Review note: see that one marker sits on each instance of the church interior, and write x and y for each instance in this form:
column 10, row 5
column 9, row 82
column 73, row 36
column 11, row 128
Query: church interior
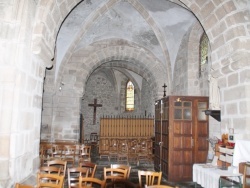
column 158, row 85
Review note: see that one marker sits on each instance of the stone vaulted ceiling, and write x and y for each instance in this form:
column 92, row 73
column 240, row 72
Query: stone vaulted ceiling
column 155, row 26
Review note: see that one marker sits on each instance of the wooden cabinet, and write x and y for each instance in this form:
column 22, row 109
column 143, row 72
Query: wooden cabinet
column 181, row 132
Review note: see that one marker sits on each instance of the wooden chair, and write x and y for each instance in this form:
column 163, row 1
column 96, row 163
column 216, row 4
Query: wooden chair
column 159, row 186
column 69, row 154
column 56, row 151
column 60, row 164
column 122, row 156
column 85, row 153
column 74, row 174
column 112, row 174
column 113, row 148
column 90, row 166
column 133, row 150
column 121, row 166
column 49, row 180
column 45, row 153
column 246, row 176
column 149, row 178
column 18, row 185
column 144, row 151
column 50, row 170
column 104, row 148
column 91, row 182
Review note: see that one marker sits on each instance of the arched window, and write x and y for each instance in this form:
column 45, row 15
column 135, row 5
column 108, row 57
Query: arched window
column 130, row 96
column 203, row 51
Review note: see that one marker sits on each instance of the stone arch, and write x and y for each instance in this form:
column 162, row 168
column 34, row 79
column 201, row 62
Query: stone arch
column 223, row 30
column 143, row 13
column 213, row 16
column 145, row 63
column 50, row 14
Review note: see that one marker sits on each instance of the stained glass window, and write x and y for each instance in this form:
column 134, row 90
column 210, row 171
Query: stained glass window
column 130, row 96
column 203, row 51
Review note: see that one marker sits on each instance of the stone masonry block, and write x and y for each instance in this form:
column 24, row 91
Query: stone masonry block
column 4, row 172
column 232, row 109
column 210, row 21
column 240, row 124
column 236, row 93
column 235, row 32
column 5, row 119
column 8, row 74
column 207, row 9
column 27, row 121
column 195, row 8
column 229, row 7
column 233, row 79
column 218, row 42
column 5, row 145
column 245, row 76
column 219, row 28
column 220, row 13
column 239, row 63
column 244, row 107
column 201, row 3
column 240, row 43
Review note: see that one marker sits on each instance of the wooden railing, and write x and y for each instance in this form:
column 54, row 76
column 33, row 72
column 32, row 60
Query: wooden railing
column 136, row 132
column 130, row 127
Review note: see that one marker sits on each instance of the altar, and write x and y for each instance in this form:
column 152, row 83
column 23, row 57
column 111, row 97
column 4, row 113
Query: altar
column 208, row 175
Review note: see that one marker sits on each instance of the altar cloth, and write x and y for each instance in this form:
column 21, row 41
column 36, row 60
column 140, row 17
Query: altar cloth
column 241, row 152
column 208, row 175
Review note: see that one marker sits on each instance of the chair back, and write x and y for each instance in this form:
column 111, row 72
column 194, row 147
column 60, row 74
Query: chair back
column 56, row 151
column 91, row 182
column 60, row 164
column 85, row 152
column 18, row 185
column 49, row 180
column 112, row 174
column 90, row 166
column 69, row 154
column 149, row 178
column 74, row 174
column 50, row 170
column 122, row 166
column 246, row 176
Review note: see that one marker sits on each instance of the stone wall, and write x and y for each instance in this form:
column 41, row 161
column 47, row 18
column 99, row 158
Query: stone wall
column 112, row 99
column 21, row 83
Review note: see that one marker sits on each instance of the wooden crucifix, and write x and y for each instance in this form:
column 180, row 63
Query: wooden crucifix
column 164, row 86
column 95, row 105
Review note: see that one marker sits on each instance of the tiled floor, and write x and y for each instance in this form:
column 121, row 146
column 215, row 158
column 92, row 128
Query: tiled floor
column 104, row 162
column 145, row 165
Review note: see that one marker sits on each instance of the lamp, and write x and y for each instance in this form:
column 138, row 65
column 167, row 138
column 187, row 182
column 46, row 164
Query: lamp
column 61, row 84
column 178, row 99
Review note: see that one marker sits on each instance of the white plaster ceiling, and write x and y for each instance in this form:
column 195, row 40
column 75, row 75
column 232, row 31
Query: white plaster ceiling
column 170, row 23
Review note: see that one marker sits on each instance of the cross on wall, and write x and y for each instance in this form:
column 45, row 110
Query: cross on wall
column 95, row 105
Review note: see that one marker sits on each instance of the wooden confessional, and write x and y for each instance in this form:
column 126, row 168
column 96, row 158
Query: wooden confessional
column 181, row 132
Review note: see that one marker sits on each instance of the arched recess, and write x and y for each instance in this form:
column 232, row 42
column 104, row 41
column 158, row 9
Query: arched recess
column 141, row 61
column 195, row 84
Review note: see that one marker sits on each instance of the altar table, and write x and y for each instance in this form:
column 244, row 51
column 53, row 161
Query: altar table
column 208, row 176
